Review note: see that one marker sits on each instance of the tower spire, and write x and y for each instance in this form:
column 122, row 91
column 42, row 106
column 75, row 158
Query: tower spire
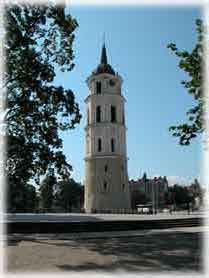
column 103, row 66
column 104, row 55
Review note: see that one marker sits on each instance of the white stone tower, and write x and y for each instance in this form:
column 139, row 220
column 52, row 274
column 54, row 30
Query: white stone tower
column 106, row 180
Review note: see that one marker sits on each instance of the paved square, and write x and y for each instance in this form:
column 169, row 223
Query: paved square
column 177, row 249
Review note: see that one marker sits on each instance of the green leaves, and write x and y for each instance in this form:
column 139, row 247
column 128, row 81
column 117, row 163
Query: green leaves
column 39, row 39
column 68, row 194
column 47, row 191
column 172, row 46
column 191, row 63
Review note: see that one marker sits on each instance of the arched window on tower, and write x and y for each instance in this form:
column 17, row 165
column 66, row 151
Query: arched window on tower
column 113, row 114
column 98, row 87
column 99, row 148
column 98, row 114
column 112, row 145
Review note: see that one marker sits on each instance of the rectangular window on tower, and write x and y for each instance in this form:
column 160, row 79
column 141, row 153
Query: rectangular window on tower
column 98, row 114
column 113, row 114
column 99, row 145
column 123, row 119
column 98, row 87
column 112, row 145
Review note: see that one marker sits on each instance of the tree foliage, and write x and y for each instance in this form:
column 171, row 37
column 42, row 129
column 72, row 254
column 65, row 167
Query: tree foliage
column 22, row 198
column 191, row 63
column 38, row 43
column 137, row 198
column 47, row 191
column 69, row 194
column 180, row 194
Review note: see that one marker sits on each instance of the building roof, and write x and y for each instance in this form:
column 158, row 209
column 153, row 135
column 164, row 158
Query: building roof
column 103, row 67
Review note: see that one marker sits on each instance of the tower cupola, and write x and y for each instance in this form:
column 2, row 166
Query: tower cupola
column 103, row 67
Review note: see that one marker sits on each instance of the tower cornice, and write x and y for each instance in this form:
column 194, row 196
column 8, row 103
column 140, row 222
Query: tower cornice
column 116, row 156
column 103, row 124
column 93, row 77
column 103, row 95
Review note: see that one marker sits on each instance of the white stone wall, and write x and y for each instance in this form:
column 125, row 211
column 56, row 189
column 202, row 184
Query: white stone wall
column 115, row 194
column 105, row 101
column 104, row 79
column 105, row 133
column 105, row 130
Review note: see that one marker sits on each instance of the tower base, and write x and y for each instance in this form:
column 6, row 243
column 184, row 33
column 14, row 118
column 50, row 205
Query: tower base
column 106, row 185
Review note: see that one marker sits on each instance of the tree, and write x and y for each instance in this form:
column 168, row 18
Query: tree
column 38, row 43
column 47, row 191
column 137, row 198
column 69, row 194
column 31, row 198
column 168, row 198
column 192, row 64
column 180, row 195
column 22, row 198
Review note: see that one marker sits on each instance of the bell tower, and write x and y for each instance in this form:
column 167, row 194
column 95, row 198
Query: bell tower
column 106, row 177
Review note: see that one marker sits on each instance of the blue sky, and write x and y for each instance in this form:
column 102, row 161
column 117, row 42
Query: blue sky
column 136, row 39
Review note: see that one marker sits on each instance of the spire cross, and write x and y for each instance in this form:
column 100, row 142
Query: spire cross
column 104, row 38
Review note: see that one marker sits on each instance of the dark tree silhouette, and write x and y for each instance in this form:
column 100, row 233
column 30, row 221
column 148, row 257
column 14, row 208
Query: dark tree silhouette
column 38, row 42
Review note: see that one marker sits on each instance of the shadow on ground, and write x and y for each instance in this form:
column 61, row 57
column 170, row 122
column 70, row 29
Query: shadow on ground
column 173, row 251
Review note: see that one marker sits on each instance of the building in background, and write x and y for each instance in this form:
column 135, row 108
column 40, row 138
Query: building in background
column 149, row 191
column 106, row 177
